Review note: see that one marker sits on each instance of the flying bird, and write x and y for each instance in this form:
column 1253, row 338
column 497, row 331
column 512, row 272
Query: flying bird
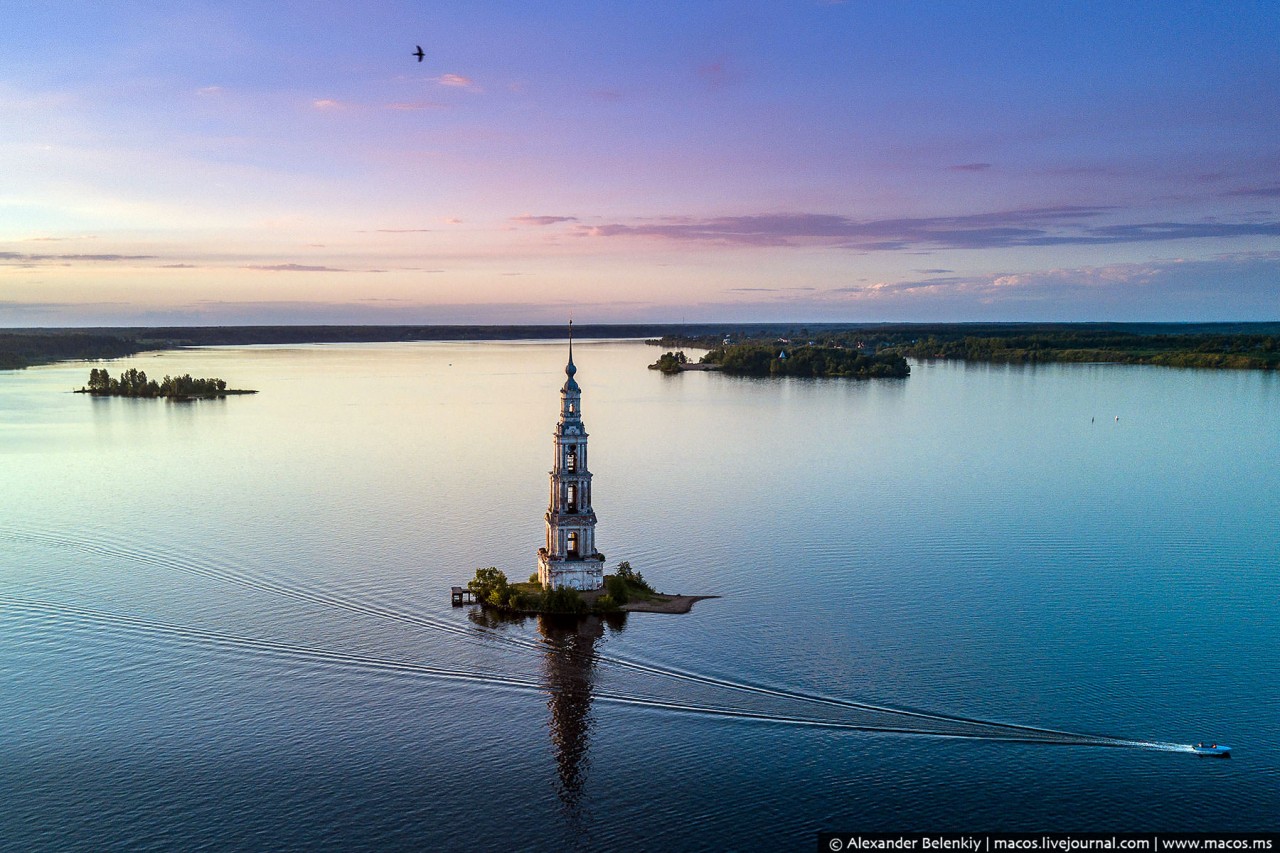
column 419, row 53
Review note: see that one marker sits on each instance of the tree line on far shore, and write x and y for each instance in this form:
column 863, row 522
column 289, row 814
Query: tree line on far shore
column 134, row 383
column 1220, row 351
column 1240, row 346
column 772, row 359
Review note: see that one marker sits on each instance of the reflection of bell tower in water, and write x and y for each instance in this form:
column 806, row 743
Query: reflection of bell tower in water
column 570, row 664
column 569, row 558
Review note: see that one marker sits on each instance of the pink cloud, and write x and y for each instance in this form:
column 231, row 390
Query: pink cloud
column 1223, row 287
column 1065, row 225
column 457, row 81
column 23, row 259
column 526, row 219
column 292, row 268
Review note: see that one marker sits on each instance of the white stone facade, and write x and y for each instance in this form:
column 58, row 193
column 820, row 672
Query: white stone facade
column 569, row 557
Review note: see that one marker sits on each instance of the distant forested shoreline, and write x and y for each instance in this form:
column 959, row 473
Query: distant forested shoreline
column 1213, row 345
column 25, row 348
column 811, row 360
column 21, row 348
column 1233, row 346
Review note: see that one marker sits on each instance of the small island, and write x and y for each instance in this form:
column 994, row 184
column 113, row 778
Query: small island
column 671, row 362
column 624, row 591
column 1222, row 346
column 134, row 383
column 781, row 358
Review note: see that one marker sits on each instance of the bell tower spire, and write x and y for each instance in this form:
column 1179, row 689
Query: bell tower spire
column 569, row 558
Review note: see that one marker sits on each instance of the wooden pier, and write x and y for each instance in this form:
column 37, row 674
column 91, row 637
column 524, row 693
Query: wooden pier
column 461, row 595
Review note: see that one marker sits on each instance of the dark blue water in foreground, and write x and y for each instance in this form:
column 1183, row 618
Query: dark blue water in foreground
column 226, row 625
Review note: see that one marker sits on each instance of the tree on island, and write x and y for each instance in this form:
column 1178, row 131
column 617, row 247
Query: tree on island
column 490, row 585
column 492, row 589
column 670, row 362
column 626, row 584
column 134, row 383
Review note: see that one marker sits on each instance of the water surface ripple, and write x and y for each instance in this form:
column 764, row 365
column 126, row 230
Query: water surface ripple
column 227, row 624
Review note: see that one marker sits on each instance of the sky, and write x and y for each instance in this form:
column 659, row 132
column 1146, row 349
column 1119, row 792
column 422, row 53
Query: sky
column 167, row 163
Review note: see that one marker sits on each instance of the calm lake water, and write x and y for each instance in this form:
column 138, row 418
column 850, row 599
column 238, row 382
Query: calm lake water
column 226, row 624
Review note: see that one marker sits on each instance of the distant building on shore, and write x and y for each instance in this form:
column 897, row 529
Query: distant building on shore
column 569, row 559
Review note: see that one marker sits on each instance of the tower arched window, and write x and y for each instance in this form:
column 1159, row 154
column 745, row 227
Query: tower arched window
column 571, row 460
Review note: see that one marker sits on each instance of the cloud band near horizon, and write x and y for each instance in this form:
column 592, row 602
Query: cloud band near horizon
column 1049, row 226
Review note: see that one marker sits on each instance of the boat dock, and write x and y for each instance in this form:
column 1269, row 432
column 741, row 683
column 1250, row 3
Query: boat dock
column 461, row 595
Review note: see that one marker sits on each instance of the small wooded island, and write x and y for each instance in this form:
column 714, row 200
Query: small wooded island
column 134, row 383
column 1223, row 346
column 784, row 359
column 625, row 590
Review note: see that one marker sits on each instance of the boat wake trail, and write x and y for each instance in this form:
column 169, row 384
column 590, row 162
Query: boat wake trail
column 886, row 717
column 116, row 623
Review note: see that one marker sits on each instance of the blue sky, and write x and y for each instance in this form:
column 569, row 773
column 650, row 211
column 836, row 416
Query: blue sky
column 855, row 161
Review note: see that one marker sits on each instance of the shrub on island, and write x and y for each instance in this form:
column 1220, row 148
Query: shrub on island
column 563, row 600
column 490, row 585
column 617, row 589
column 632, row 578
column 492, row 589
column 670, row 362
column 626, row 585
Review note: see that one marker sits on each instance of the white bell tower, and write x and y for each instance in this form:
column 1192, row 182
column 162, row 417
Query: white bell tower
column 569, row 558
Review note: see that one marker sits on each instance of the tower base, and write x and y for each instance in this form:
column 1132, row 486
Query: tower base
column 584, row 575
